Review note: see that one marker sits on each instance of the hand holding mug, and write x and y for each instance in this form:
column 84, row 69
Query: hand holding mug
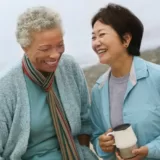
column 107, row 142
column 125, row 140
column 141, row 153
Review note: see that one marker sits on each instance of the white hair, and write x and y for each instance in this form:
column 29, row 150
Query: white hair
column 35, row 19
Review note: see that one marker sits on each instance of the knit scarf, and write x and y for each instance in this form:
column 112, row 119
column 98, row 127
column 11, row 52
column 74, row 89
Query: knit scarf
column 63, row 130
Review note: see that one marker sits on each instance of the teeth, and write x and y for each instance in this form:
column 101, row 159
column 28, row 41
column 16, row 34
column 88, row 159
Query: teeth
column 51, row 63
column 101, row 51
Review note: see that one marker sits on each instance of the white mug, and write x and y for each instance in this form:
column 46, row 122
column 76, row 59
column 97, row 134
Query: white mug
column 125, row 140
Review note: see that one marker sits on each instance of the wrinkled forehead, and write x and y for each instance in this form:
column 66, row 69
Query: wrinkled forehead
column 50, row 36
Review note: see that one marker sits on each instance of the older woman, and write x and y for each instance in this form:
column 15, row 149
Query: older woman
column 44, row 100
column 129, row 92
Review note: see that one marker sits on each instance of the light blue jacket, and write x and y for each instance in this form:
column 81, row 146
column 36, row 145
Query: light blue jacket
column 15, row 108
column 141, row 107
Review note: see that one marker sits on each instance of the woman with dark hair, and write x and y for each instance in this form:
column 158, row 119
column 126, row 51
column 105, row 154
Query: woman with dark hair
column 129, row 91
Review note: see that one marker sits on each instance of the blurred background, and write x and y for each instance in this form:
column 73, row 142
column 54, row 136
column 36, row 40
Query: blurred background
column 76, row 16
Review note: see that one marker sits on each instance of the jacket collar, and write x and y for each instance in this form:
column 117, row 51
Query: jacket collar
column 138, row 71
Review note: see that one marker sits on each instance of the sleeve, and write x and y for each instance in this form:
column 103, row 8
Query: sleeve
column 97, row 130
column 3, row 137
column 85, row 101
column 154, row 146
column 154, row 149
column 3, row 127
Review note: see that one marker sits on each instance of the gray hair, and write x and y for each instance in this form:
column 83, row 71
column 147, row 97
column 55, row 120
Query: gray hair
column 35, row 19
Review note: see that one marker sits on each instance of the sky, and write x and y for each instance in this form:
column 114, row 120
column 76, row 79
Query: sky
column 76, row 16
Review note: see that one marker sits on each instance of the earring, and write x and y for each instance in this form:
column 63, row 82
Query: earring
column 126, row 45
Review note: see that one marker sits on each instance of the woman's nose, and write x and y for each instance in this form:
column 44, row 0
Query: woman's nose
column 54, row 54
column 97, row 43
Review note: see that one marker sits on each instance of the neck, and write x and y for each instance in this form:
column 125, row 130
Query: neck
column 122, row 67
column 45, row 74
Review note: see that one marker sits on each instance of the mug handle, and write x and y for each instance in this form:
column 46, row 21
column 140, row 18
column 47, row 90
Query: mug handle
column 111, row 134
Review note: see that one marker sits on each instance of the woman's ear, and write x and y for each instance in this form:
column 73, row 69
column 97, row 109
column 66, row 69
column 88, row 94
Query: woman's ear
column 127, row 39
column 25, row 49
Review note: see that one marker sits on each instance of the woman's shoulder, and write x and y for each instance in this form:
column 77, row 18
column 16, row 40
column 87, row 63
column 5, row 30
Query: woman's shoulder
column 69, row 65
column 10, row 82
column 67, row 60
column 100, row 82
column 154, row 74
column 153, row 66
column 10, row 78
column 153, row 69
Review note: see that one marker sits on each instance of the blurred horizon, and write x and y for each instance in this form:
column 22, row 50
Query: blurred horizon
column 76, row 17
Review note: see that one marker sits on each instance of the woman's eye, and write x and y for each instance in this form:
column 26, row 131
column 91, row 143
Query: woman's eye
column 101, row 34
column 61, row 45
column 93, row 38
column 44, row 50
column 60, row 48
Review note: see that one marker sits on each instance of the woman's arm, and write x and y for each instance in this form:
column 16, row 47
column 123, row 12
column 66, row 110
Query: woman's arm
column 85, row 132
column 3, row 125
column 3, row 137
column 154, row 148
column 97, row 128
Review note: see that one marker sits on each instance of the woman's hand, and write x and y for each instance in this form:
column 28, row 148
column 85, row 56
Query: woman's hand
column 141, row 153
column 107, row 142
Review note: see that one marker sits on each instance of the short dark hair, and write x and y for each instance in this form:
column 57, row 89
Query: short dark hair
column 122, row 21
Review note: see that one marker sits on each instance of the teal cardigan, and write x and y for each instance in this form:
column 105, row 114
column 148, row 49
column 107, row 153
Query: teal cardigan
column 15, row 109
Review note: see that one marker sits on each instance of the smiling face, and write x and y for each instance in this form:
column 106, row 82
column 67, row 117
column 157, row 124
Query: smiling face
column 46, row 49
column 107, row 44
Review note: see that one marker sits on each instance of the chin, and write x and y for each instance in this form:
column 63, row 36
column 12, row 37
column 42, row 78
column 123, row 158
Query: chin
column 102, row 61
column 51, row 70
column 48, row 70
